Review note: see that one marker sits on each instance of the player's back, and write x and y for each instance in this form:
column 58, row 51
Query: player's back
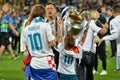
column 38, row 35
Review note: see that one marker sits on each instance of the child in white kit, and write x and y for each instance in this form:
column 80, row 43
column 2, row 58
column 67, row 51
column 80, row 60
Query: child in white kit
column 68, row 55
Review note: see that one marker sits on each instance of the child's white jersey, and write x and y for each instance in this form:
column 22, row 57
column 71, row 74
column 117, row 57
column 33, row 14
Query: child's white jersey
column 67, row 60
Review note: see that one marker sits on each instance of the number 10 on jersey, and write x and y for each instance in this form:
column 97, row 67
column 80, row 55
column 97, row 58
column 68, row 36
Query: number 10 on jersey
column 35, row 41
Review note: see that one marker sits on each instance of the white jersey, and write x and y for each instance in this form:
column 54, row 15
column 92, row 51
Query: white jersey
column 67, row 60
column 115, row 32
column 114, row 29
column 88, row 44
column 36, row 37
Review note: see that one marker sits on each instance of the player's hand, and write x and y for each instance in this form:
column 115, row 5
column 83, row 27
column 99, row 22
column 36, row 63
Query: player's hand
column 100, row 41
column 87, row 26
column 59, row 21
column 26, row 54
column 16, row 33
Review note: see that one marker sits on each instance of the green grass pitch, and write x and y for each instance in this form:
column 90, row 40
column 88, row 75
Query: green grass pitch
column 12, row 69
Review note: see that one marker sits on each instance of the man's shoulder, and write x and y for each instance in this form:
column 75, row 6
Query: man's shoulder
column 115, row 19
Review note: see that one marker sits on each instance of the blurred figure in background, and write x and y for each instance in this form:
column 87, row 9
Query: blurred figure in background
column 100, row 50
column 1, row 15
column 52, row 18
column 6, row 24
column 115, row 32
column 15, row 39
column 86, row 69
column 112, row 42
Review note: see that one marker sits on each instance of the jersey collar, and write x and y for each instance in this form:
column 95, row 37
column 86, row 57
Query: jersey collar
column 38, row 19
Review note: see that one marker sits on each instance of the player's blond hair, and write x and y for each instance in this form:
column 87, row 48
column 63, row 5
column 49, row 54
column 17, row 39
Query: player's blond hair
column 37, row 10
column 94, row 14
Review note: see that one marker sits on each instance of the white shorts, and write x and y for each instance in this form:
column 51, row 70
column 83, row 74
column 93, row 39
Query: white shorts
column 118, row 62
column 118, row 57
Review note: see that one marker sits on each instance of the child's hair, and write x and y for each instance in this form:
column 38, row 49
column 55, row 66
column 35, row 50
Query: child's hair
column 86, row 15
column 69, row 41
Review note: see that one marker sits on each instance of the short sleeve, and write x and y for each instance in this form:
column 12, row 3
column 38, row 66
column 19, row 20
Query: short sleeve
column 10, row 20
column 24, row 37
column 94, row 27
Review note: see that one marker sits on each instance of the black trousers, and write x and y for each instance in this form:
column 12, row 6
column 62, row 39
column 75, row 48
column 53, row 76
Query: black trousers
column 16, row 42
column 85, row 71
column 100, row 51
column 113, row 47
column 89, row 68
column 5, row 38
column 56, row 53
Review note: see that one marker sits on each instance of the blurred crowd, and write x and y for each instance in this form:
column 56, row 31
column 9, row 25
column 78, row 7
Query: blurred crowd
column 21, row 8
column 24, row 4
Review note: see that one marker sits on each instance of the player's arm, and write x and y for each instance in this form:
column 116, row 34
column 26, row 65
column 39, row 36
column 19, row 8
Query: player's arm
column 97, row 29
column 13, row 29
column 53, row 43
column 84, row 36
column 26, row 53
column 50, row 36
column 24, row 41
column 104, row 28
column 59, row 31
column 108, row 37
column 114, row 34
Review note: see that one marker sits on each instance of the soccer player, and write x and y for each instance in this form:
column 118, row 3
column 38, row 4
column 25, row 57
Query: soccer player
column 38, row 39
